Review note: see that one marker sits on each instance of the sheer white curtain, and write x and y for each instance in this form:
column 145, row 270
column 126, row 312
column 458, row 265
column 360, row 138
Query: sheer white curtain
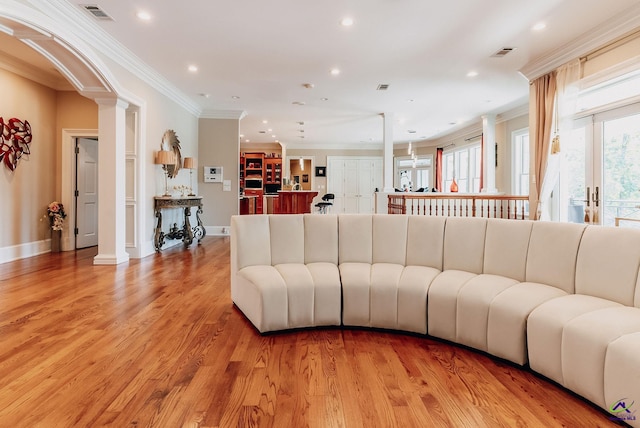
column 567, row 77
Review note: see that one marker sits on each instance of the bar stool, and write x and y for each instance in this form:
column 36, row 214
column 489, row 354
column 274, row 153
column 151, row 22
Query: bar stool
column 322, row 206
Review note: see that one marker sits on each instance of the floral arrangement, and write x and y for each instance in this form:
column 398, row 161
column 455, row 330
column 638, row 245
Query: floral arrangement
column 56, row 213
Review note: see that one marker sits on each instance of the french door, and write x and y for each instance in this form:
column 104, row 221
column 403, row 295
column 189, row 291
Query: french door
column 600, row 172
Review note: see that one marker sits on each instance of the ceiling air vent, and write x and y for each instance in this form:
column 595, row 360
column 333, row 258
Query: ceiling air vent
column 97, row 13
column 502, row 52
column 382, row 87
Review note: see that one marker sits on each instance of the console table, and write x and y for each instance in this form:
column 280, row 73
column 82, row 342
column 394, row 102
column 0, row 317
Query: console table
column 186, row 233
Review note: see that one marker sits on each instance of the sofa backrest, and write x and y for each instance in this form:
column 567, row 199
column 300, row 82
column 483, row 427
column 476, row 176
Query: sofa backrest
column 355, row 243
column 464, row 244
column 505, row 247
column 425, row 241
column 553, row 250
column 608, row 263
column 321, row 238
column 389, row 239
column 287, row 238
column 251, row 241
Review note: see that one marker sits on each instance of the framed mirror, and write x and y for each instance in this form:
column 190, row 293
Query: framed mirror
column 171, row 143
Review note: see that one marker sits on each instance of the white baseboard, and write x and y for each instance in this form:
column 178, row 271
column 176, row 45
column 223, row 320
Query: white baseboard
column 22, row 251
column 218, row 230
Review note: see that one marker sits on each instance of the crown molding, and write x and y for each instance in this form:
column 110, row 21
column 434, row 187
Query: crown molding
column 346, row 146
column 222, row 114
column 81, row 26
column 23, row 69
column 606, row 32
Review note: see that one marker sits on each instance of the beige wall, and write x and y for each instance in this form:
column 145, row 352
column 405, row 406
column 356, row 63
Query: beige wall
column 218, row 145
column 36, row 181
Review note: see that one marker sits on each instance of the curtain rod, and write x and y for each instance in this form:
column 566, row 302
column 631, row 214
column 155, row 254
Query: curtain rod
column 473, row 138
column 444, row 147
column 611, row 45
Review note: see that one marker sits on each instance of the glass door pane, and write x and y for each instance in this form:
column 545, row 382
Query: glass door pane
column 620, row 192
column 574, row 176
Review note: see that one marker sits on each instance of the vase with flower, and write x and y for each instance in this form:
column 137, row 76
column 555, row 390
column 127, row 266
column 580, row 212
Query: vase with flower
column 56, row 215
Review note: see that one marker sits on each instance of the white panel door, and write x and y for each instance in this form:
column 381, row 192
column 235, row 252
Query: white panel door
column 335, row 184
column 351, row 185
column 87, row 193
column 353, row 180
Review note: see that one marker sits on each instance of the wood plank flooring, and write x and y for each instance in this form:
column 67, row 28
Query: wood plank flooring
column 157, row 343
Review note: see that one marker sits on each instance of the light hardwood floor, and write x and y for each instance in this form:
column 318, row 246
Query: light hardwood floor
column 157, row 343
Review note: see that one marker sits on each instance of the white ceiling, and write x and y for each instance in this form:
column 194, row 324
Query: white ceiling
column 263, row 53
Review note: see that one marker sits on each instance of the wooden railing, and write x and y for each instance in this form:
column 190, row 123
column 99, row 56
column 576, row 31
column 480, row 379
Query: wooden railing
column 450, row 205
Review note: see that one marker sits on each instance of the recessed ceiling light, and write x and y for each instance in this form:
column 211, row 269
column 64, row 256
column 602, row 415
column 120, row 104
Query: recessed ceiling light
column 269, row 130
column 143, row 15
column 324, row 99
column 247, row 140
column 235, row 97
column 308, row 85
column 346, row 21
column 539, row 26
column 472, row 73
column 204, row 95
column 273, row 135
column 410, row 100
column 335, row 71
column 241, row 135
column 193, row 68
column 298, row 103
column 265, row 121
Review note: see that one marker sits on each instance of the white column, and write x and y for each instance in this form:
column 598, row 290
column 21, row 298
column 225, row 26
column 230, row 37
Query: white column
column 111, row 185
column 489, row 160
column 387, row 160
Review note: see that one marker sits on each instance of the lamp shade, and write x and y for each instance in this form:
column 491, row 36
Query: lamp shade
column 190, row 163
column 165, row 157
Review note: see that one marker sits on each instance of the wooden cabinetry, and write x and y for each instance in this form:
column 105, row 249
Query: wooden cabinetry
column 273, row 170
column 253, row 166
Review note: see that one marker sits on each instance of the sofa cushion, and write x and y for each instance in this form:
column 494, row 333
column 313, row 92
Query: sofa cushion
column 321, row 238
column 442, row 302
column 385, row 278
column 472, row 313
column 413, row 290
column 287, row 238
column 390, row 239
column 508, row 313
column 250, row 240
column 327, row 301
column 464, row 244
column 425, row 241
column 608, row 263
column 553, row 249
column 622, row 378
column 545, row 327
column 584, row 347
column 300, row 293
column 356, row 286
column 505, row 248
column 356, row 238
column 261, row 294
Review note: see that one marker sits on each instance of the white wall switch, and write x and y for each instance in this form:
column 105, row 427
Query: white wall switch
column 226, row 186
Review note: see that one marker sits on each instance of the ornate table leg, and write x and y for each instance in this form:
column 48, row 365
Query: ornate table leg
column 158, row 238
column 188, row 233
column 198, row 230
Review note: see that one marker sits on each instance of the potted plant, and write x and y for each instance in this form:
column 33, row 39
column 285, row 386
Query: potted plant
column 56, row 214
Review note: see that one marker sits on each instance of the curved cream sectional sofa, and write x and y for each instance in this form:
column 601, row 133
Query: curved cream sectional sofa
column 563, row 298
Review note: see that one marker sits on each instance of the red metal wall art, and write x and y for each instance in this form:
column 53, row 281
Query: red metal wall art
column 15, row 139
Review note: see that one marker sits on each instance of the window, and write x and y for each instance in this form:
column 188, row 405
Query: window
column 464, row 165
column 414, row 175
column 520, row 162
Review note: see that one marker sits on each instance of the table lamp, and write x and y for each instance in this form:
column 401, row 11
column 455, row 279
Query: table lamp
column 190, row 164
column 164, row 158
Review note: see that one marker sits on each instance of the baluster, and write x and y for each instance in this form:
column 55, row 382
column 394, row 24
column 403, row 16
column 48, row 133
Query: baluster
column 430, row 206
